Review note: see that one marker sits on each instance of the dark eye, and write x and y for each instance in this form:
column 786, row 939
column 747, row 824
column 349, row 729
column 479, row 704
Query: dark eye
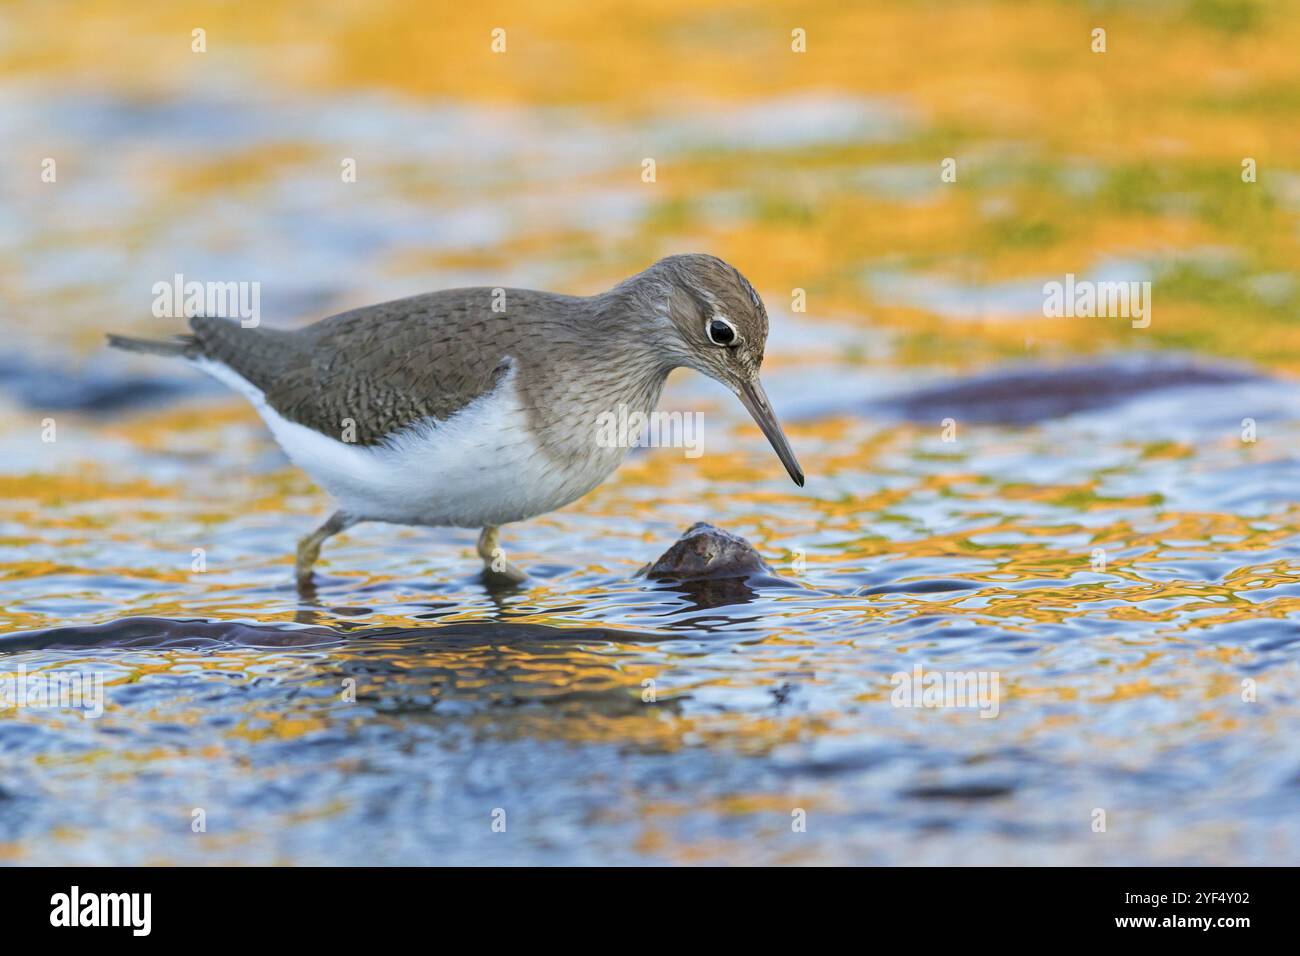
column 721, row 332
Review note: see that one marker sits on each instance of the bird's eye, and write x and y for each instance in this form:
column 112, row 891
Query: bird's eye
column 721, row 332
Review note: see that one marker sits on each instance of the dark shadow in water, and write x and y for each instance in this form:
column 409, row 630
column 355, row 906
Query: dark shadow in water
column 434, row 671
column 1029, row 394
column 136, row 632
column 93, row 389
column 934, row 586
column 707, row 594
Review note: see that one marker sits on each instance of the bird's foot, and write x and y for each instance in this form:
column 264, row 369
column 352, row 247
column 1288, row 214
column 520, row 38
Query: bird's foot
column 308, row 552
column 497, row 568
column 505, row 574
column 309, row 547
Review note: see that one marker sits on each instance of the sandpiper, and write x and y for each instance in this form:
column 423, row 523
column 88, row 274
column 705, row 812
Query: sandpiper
column 478, row 407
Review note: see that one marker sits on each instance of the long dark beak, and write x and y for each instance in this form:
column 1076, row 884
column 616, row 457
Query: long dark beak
column 755, row 399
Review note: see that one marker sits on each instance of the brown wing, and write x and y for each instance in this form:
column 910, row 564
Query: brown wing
column 382, row 367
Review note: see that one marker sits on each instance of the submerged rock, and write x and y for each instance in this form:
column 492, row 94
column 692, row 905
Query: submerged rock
column 705, row 552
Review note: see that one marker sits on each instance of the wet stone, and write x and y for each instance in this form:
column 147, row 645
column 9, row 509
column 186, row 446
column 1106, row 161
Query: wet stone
column 705, row 552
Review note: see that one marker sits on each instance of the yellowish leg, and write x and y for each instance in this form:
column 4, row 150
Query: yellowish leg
column 495, row 564
column 309, row 547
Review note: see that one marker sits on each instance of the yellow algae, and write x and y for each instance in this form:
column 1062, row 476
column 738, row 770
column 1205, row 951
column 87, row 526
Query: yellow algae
column 54, row 489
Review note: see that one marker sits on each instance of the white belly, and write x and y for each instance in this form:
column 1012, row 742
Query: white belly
column 479, row 467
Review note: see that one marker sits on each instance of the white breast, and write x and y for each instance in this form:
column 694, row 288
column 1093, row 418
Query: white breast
column 481, row 466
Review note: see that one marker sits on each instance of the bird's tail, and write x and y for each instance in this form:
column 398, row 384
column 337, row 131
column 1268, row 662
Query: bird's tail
column 183, row 346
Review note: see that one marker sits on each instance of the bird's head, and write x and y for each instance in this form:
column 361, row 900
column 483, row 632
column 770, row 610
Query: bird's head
column 719, row 327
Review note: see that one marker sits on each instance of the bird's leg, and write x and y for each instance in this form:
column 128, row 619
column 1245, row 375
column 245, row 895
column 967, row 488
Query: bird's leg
column 309, row 547
column 495, row 564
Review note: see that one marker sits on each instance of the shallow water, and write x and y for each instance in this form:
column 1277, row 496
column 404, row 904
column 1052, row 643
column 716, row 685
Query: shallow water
column 1103, row 542
column 1120, row 688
